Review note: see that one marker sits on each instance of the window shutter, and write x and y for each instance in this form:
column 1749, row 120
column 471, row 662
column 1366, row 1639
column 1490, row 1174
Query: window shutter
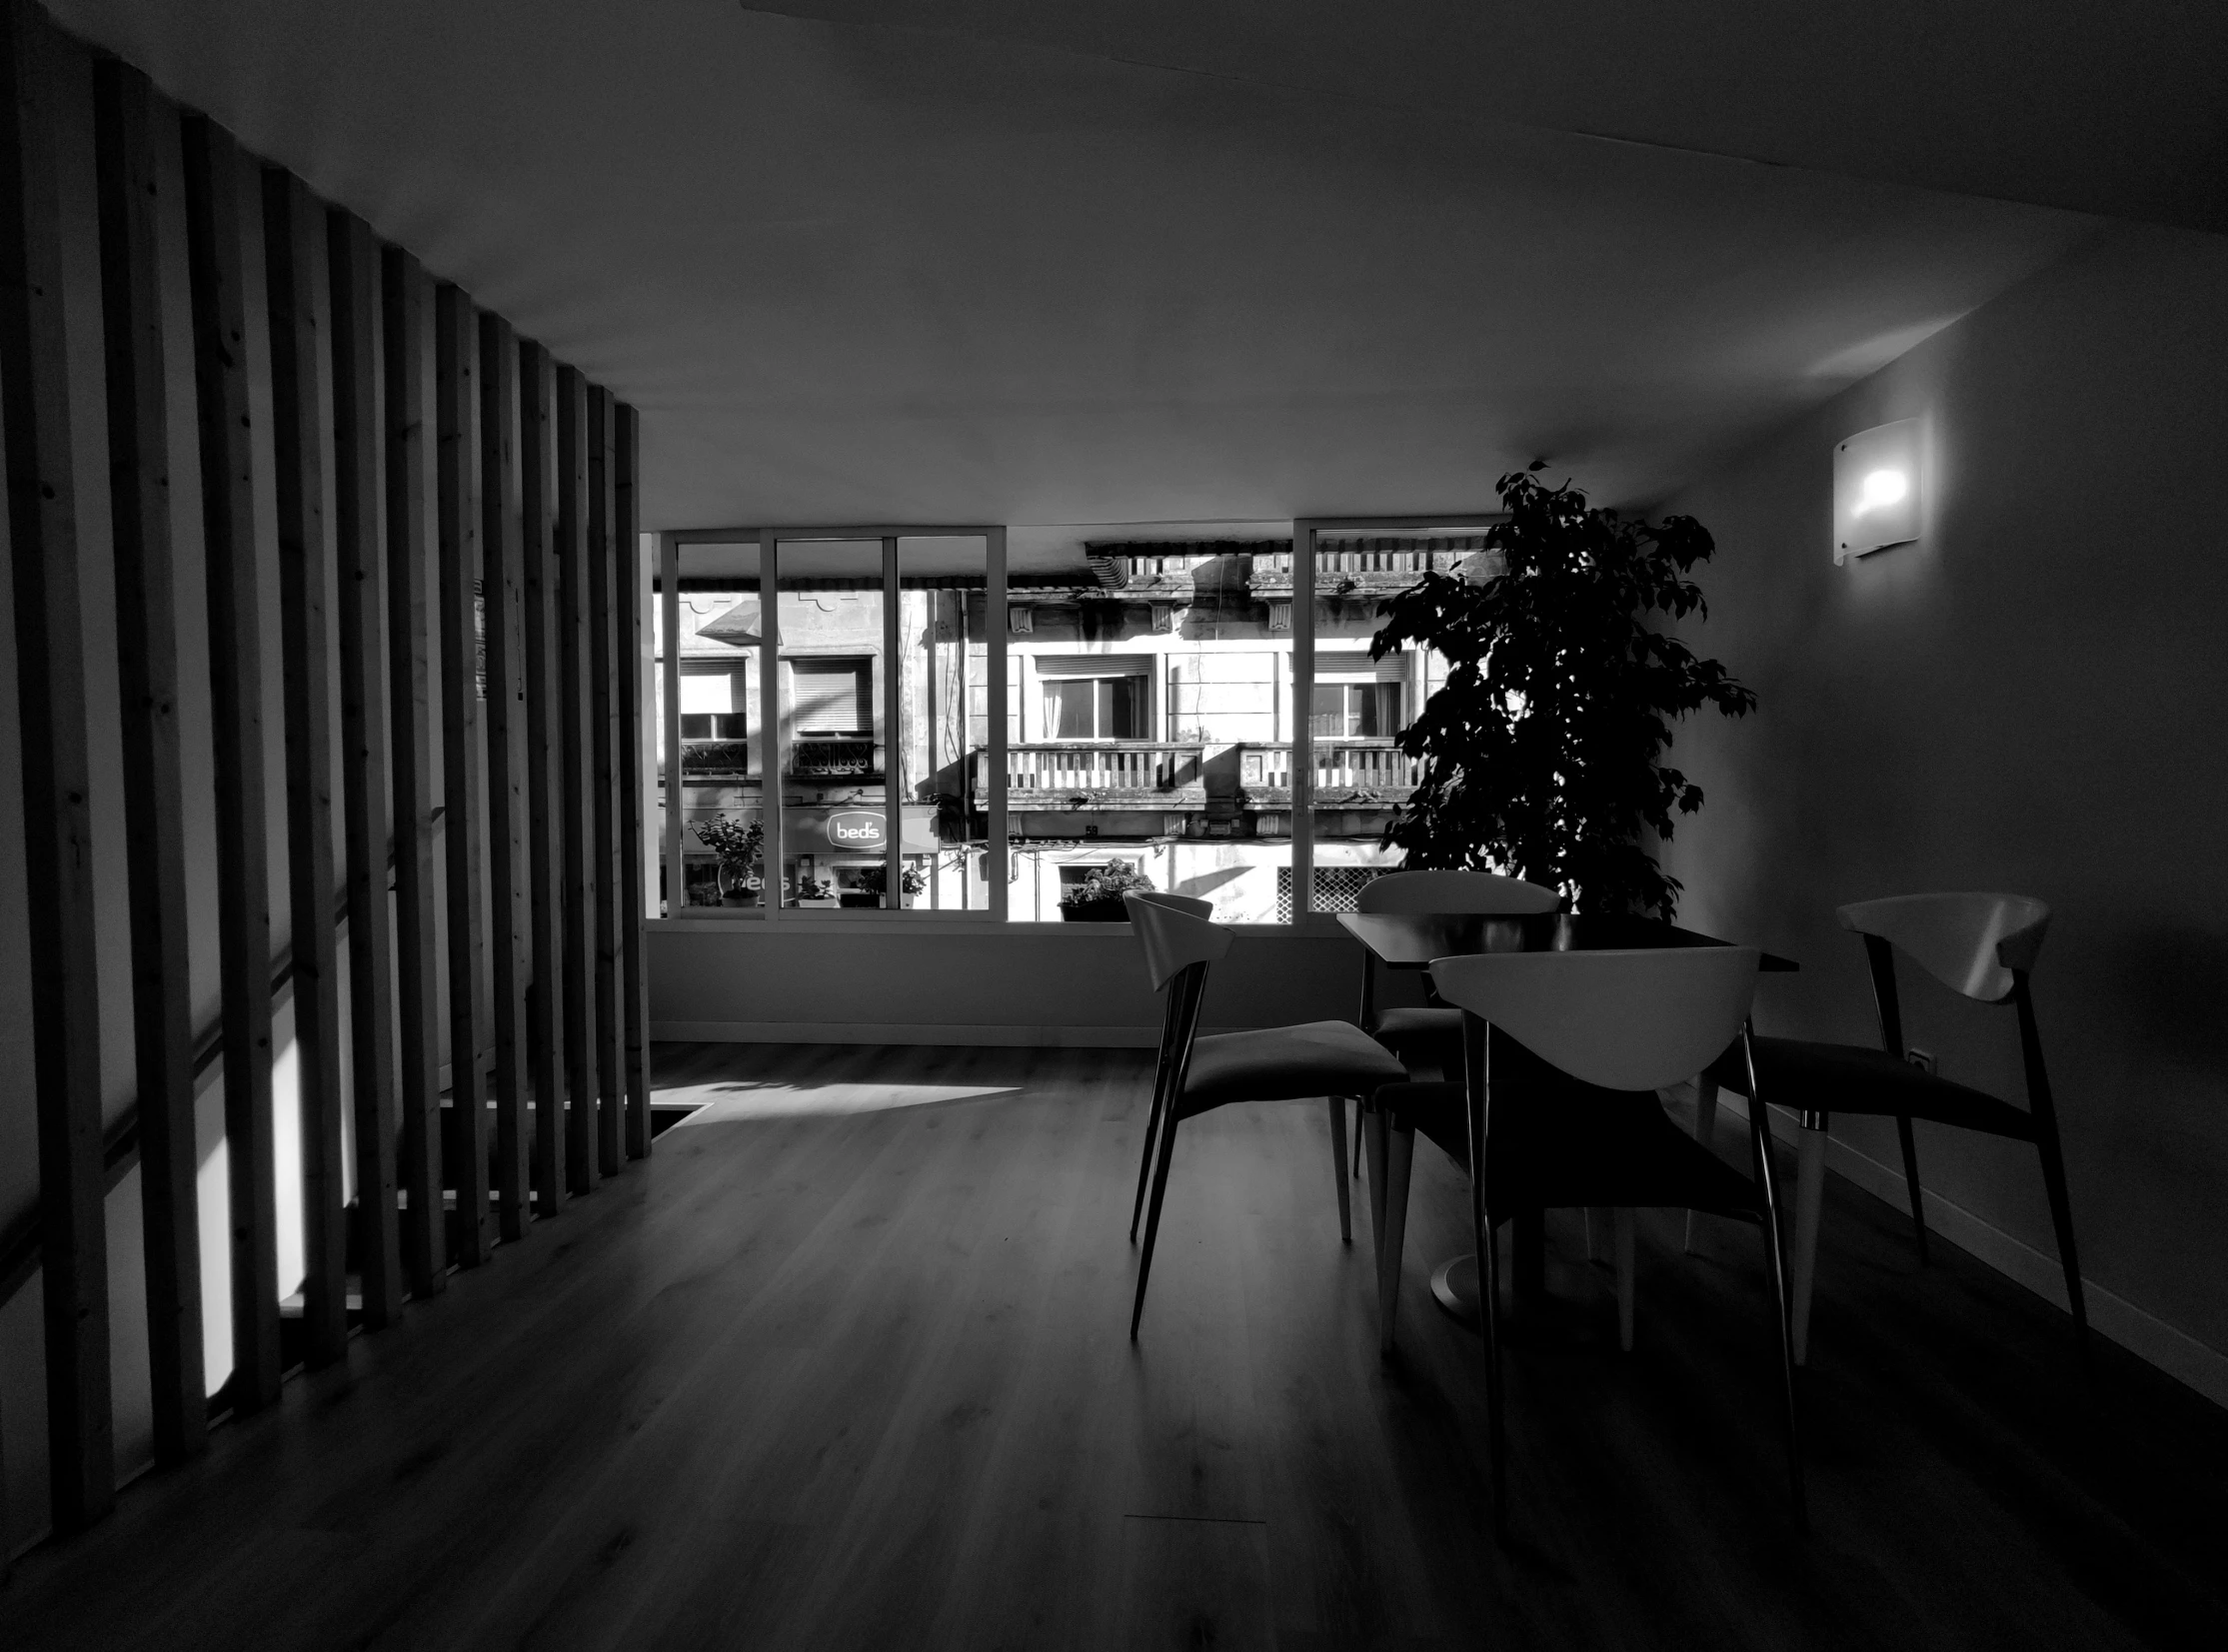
column 1352, row 667
column 833, row 696
column 1069, row 665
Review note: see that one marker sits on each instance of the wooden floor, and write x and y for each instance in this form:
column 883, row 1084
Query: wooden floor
column 833, row 1372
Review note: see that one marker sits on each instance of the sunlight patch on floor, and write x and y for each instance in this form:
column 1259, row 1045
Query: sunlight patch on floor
column 742, row 1102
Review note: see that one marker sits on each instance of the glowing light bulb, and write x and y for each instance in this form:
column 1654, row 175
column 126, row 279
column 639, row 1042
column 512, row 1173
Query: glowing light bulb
column 1881, row 489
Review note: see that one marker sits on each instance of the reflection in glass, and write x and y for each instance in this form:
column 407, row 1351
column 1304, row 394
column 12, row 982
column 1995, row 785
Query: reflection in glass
column 720, row 797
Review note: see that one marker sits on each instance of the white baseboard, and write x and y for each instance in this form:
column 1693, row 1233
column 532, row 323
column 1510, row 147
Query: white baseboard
column 2140, row 1332
column 909, row 1033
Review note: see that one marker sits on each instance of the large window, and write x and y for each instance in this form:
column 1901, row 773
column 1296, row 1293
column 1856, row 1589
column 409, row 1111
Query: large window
column 952, row 723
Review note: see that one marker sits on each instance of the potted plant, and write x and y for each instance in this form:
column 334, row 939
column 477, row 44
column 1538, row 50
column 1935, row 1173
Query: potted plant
column 1097, row 898
column 817, row 891
column 737, row 845
column 875, row 880
column 1542, row 754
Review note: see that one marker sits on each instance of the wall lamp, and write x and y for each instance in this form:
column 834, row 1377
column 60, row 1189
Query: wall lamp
column 1875, row 489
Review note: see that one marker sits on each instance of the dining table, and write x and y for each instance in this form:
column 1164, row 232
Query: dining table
column 1410, row 940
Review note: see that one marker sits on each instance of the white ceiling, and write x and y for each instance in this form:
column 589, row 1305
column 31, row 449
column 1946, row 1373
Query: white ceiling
column 857, row 272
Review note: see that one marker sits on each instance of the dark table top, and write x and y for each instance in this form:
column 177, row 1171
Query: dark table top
column 1410, row 940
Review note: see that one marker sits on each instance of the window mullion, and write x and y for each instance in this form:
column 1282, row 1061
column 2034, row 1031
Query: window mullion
column 1303, row 700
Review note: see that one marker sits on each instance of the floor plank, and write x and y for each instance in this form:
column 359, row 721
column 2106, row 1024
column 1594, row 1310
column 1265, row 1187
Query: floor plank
column 849, row 1368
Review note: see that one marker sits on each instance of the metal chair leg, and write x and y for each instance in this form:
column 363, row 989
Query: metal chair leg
column 1399, row 1161
column 1705, row 1126
column 1910, row 1181
column 1354, row 1166
column 1153, row 1218
column 1489, row 1320
column 2061, row 1218
column 1622, row 1224
column 1338, row 1167
column 1767, row 1176
column 1810, row 1193
column 1145, row 1162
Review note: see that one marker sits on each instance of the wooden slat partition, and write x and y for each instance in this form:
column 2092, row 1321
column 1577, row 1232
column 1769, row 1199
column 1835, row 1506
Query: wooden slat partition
column 634, row 980
column 578, row 807
column 545, row 769
column 457, row 516
column 57, row 825
column 409, row 727
column 124, row 110
column 292, row 224
column 352, row 258
column 603, row 664
column 503, row 579
column 214, row 251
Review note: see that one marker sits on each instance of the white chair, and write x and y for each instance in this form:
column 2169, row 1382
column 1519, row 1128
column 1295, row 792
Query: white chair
column 1560, row 1100
column 1335, row 1060
column 1980, row 945
column 1432, row 1032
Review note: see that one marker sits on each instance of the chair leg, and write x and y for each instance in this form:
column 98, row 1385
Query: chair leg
column 1153, row 1217
column 1354, row 1167
column 1810, row 1193
column 1623, row 1220
column 1910, row 1181
column 1705, row 1128
column 2061, row 1218
column 1488, row 1319
column 1338, row 1167
column 1399, row 1164
column 1144, row 1161
column 1775, row 1274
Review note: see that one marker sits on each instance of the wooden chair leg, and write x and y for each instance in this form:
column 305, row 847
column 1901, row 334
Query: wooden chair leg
column 1399, row 1164
column 1338, row 1167
column 2061, row 1218
column 1623, row 1220
column 1144, row 1161
column 1910, row 1181
column 1705, row 1128
column 1810, row 1193
column 1153, row 1218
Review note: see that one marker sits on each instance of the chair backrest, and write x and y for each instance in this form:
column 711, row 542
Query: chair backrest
column 1626, row 1020
column 1455, row 891
column 1174, row 933
column 1970, row 942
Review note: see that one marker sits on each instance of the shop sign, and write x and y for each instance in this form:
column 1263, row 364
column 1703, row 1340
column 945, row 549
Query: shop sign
column 857, row 829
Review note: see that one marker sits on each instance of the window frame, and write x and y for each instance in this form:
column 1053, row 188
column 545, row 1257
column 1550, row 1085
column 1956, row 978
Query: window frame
column 996, row 846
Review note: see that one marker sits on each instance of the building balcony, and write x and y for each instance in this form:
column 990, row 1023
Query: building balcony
column 1122, row 774
column 732, row 761
column 1351, row 773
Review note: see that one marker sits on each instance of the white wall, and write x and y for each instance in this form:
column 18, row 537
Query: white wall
column 2031, row 698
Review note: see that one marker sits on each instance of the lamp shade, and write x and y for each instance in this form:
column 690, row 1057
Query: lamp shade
column 1875, row 489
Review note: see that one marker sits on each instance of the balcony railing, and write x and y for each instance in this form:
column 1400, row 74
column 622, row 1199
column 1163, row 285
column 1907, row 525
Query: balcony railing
column 1349, row 771
column 835, row 759
column 1074, row 775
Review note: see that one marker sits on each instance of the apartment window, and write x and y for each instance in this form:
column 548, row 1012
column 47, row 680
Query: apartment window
column 713, row 705
column 833, row 696
column 1354, row 710
column 1095, row 708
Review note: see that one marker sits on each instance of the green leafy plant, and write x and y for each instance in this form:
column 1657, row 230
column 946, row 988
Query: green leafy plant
column 1542, row 754
column 737, row 843
column 1110, row 882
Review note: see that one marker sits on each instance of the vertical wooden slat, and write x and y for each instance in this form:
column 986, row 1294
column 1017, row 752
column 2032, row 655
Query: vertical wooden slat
column 579, row 963
column 57, row 827
column 291, row 221
column 634, row 984
column 457, row 494
column 214, row 255
column 410, row 726
column 353, row 260
column 502, row 581
column 154, row 784
column 545, row 1002
column 602, row 570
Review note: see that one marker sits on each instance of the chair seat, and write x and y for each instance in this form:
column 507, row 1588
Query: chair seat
column 1565, row 1144
column 1849, row 1078
column 1420, row 1028
column 1277, row 1063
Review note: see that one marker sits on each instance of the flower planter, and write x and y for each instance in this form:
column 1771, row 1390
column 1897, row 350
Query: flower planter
column 828, row 902
column 1094, row 911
